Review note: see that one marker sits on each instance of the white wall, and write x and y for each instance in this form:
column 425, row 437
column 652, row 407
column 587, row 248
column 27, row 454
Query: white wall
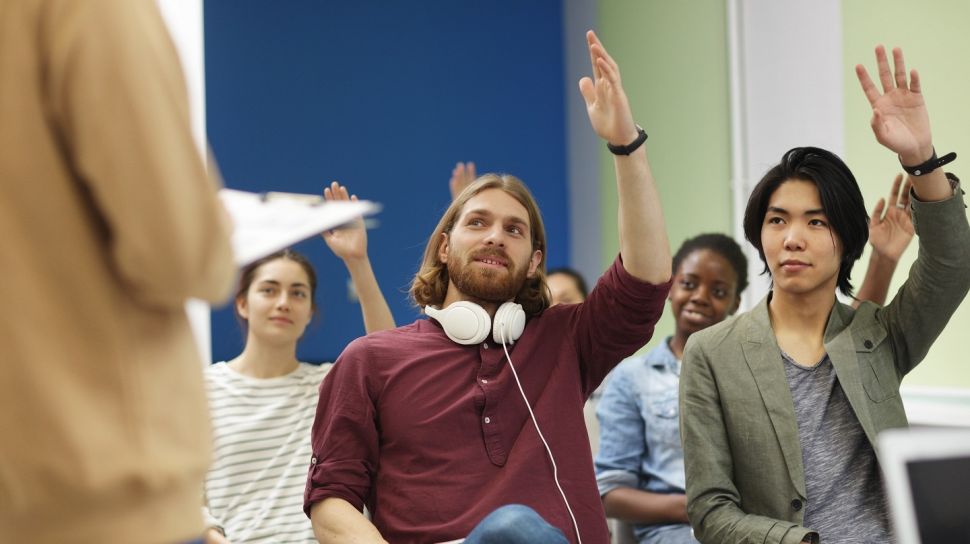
column 785, row 62
column 184, row 19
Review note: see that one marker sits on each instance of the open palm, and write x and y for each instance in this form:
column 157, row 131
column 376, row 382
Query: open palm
column 606, row 102
column 890, row 233
column 899, row 117
column 349, row 241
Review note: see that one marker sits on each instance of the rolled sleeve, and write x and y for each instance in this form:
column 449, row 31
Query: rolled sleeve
column 608, row 480
column 344, row 438
column 622, row 440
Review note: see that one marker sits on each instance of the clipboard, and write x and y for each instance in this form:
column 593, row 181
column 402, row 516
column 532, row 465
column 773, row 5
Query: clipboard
column 264, row 223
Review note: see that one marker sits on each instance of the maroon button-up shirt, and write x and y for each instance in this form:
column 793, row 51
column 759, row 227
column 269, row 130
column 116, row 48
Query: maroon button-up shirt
column 432, row 436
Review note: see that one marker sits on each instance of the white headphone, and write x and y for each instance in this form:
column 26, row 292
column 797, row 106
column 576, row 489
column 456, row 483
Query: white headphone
column 468, row 323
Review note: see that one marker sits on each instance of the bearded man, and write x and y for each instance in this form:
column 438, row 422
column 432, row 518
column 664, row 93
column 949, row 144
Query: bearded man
column 431, row 425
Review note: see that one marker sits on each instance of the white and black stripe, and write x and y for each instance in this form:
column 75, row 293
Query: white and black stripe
column 261, row 432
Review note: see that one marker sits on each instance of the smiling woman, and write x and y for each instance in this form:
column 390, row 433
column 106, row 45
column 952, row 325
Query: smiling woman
column 640, row 463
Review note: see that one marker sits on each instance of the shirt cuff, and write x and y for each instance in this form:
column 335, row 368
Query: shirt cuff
column 608, row 480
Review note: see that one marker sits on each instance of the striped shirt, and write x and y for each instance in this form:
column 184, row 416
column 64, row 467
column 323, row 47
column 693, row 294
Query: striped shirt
column 261, row 431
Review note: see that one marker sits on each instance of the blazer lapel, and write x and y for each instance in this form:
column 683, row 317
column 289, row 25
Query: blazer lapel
column 840, row 346
column 763, row 357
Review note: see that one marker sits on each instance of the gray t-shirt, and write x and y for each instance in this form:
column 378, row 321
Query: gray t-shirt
column 846, row 502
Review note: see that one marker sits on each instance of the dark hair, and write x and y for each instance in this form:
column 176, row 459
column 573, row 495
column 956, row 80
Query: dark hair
column 574, row 275
column 723, row 245
column 248, row 274
column 841, row 201
column 430, row 283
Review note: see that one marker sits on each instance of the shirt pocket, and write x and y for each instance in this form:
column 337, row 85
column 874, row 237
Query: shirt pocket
column 876, row 365
column 663, row 420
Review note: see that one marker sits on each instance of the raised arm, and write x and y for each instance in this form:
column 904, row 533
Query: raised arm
column 940, row 277
column 643, row 236
column 350, row 244
column 890, row 232
column 462, row 175
column 901, row 122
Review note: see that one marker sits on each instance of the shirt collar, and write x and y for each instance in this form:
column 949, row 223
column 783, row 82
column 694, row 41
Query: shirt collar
column 664, row 358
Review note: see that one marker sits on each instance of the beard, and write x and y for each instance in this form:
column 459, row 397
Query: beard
column 486, row 284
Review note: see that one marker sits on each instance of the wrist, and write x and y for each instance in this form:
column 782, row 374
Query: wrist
column 629, row 145
column 628, row 135
column 916, row 157
column 356, row 264
column 884, row 260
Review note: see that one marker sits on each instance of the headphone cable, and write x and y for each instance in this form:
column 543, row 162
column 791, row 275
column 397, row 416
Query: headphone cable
column 555, row 470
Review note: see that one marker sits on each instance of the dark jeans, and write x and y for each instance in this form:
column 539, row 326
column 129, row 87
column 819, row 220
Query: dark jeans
column 515, row 524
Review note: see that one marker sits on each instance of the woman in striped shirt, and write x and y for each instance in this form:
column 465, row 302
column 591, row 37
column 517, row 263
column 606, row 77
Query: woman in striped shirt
column 263, row 402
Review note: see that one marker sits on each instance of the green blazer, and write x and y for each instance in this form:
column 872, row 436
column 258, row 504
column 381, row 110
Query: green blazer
column 743, row 459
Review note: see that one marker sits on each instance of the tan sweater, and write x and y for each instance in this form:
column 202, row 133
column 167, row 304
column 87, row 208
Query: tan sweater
column 108, row 223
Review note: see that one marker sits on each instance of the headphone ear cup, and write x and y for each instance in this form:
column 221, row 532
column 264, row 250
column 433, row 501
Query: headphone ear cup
column 464, row 322
column 509, row 323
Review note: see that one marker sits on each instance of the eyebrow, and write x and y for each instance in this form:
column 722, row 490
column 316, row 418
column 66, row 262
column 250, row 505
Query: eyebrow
column 814, row 211
column 692, row 275
column 274, row 282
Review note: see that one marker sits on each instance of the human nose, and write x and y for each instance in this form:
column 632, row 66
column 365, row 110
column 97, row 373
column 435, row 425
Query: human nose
column 283, row 302
column 794, row 238
column 495, row 236
column 700, row 295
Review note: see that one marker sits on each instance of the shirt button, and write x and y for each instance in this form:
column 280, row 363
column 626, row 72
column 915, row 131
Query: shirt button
column 867, row 344
column 313, row 460
column 488, row 420
column 485, row 346
column 796, row 505
column 484, row 380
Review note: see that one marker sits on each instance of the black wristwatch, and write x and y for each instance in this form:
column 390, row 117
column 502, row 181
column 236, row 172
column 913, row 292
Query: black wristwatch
column 632, row 146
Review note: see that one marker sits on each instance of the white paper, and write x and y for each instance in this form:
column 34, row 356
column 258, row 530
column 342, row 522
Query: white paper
column 262, row 226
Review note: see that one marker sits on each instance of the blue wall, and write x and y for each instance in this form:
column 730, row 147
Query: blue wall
column 384, row 97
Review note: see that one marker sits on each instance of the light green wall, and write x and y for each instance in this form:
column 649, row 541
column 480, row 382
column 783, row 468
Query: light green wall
column 673, row 57
column 673, row 61
column 933, row 38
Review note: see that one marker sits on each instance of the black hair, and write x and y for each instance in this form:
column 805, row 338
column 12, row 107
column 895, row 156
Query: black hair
column 841, row 201
column 574, row 274
column 723, row 245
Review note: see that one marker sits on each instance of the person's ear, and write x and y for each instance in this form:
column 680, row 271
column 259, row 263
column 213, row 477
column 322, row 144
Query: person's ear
column 534, row 263
column 443, row 248
column 242, row 307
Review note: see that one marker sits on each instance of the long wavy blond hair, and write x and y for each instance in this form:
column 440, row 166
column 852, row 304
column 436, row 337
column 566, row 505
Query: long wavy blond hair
column 430, row 284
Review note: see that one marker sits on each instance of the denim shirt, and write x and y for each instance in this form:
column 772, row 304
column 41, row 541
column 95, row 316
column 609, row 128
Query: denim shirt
column 639, row 426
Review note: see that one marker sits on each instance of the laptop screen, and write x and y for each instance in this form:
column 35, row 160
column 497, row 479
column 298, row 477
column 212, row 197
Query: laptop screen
column 940, row 498
column 927, row 477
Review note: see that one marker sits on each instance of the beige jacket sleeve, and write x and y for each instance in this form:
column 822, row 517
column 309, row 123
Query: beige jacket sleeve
column 117, row 97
